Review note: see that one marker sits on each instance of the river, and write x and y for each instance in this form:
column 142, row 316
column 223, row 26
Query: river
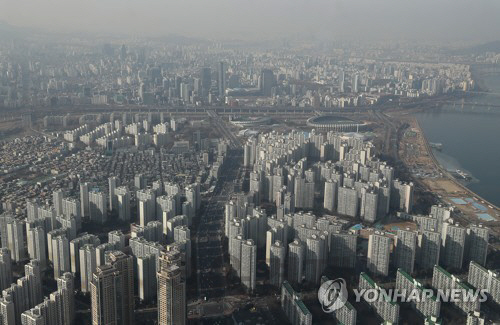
column 470, row 138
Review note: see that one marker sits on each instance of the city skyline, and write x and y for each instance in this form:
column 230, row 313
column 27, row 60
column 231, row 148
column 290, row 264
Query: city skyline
column 192, row 162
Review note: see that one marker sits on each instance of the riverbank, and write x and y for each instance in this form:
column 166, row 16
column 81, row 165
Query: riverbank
column 420, row 161
column 446, row 173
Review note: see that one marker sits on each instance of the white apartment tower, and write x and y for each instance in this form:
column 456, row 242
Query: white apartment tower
column 379, row 249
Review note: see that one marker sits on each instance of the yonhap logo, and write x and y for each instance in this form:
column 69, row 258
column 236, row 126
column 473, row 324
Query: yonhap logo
column 332, row 295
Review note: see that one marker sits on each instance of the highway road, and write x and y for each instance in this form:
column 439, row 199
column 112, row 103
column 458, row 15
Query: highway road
column 209, row 235
column 223, row 129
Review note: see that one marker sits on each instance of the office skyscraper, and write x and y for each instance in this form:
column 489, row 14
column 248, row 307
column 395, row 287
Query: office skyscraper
column 268, row 81
column 206, row 81
column 222, row 79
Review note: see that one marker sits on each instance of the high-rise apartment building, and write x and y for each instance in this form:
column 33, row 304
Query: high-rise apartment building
column 5, row 268
column 387, row 309
column 453, row 238
column 74, row 249
column 296, row 259
column 477, row 244
column 248, row 264
column 61, row 259
column 57, row 197
column 124, row 264
column 37, row 239
column 330, row 196
column 98, row 206
column 429, row 248
column 315, row 263
column 84, row 199
column 347, row 202
column 427, row 306
column 405, row 250
column 343, row 249
column 15, row 239
column 277, row 267
column 122, row 195
column 104, row 292
column 113, row 183
column 88, row 265
column 379, row 249
column 171, row 292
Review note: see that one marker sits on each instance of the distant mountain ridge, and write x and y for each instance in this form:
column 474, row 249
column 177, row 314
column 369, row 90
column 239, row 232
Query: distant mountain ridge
column 479, row 49
column 7, row 30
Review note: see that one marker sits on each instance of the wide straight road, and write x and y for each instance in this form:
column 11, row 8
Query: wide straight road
column 209, row 234
column 222, row 128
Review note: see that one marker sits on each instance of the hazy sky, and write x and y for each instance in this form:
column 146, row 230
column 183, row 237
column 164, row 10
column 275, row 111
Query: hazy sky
column 265, row 19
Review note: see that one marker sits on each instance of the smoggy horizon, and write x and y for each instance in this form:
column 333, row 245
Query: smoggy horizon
column 264, row 20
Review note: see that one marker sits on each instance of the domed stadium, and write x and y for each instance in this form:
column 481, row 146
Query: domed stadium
column 335, row 123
